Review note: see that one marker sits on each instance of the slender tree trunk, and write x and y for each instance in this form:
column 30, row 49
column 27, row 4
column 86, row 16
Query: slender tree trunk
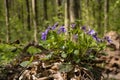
column 74, row 10
column 99, row 19
column 36, row 12
column 34, row 21
column 106, row 18
column 28, row 15
column 7, row 21
column 72, row 13
column 80, row 11
column 67, row 15
column 59, row 3
column 45, row 9
column 22, row 16
column 94, row 14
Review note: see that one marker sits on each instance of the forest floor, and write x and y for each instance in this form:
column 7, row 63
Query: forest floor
column 112, row 67
column 57, row 69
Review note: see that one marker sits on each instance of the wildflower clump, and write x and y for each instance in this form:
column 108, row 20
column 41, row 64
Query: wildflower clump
column 80, row 44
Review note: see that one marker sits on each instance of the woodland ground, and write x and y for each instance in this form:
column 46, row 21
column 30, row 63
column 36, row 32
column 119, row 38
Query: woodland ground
column 57, row 69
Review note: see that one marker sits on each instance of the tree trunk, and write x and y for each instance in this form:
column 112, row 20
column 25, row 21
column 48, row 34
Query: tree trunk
column 74, row 10
column 45, row 9
column 36, row 12
column 88, row 11
column 28, row 15
column 106, row 10
column 22, row 16
column 94, row 13
column 67, row 15
column 7, row 21
column 99, row 19
column 59, row 3
column 34, row 21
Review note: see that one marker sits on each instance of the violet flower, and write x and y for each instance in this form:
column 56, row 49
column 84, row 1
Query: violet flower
column 43, row 36
column 46, row 31
column 83, row 28
column 61, row 29
column 95, row 37
column 108, row 39
column 54, row 26
column 73, row 26
column 91, row 32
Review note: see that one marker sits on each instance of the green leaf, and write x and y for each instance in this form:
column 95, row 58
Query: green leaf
column 64, row 55
column 24, row 63
column 76, row 52
column 33, row 50
column 65, row 67
column 31, row 59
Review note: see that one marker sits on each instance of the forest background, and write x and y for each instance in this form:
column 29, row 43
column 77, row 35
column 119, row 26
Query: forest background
column 24, row 20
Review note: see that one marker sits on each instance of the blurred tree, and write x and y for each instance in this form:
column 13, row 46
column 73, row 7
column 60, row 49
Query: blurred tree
column 106, row 17
column 7, row 21
column 20, row 15
column 36, row 12
column 67, row 15
column 28, row 15
column 74, row 10
column 34, row 20
column 59, row 4
column 45, row 9
column 99, row 17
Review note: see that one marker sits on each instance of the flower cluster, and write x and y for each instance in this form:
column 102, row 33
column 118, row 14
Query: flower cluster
column 80, row 42
column 45, row 33
column 92, row 33
column 62, row 29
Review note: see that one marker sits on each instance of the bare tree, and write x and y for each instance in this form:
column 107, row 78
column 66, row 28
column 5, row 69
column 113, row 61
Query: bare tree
column 74, row 10
column 45, row 9
column 59, row 4
column 67, row 15
column 28, row 15
column 106, row 10
column 34, row 20
column 99, row 15
column 7, row 21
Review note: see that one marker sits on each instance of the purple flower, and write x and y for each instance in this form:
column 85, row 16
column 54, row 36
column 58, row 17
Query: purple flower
column 54, row 26
column 108, row 39
column 61, row 29
column 43, row 36
column 95, row 37
column 83, row 28
column 91, row 32
column 49, row 27
column 46, row 31
column 73, row 26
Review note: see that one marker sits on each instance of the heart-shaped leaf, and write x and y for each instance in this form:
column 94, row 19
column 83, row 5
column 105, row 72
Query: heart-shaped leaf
column 24, row 63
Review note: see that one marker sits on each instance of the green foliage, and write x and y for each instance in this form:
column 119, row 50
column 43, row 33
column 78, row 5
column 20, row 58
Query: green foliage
column 77, row 46
column 66, row 67
column 33, row 50
column 8, row 53
column 26, row 63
